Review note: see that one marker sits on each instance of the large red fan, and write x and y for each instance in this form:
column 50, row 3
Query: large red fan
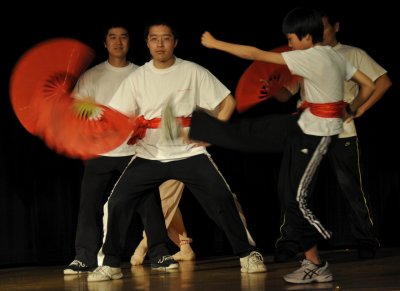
column 40, row 90
column 260, row 81
column 49, row 69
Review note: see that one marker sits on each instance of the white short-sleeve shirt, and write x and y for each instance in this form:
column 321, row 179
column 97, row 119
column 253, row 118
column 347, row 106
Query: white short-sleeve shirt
column 148, row 90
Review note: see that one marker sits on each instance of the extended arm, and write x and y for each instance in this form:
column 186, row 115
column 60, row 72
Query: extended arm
column 242, row 51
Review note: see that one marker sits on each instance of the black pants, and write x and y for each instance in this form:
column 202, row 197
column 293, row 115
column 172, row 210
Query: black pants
column 99, row 176
column 302, row 155
column 344, row 158
column 266, row 134
column 199, row 174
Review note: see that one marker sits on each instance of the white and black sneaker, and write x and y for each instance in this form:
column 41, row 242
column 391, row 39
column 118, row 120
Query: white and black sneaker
column 308, row 273
column 165, row 263
column 77, row 267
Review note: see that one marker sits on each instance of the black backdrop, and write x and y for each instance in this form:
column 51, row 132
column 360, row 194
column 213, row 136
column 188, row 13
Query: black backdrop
column 39, row 189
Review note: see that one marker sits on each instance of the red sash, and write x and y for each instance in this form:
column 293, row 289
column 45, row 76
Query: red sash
column 326, row 110
column 141, row 124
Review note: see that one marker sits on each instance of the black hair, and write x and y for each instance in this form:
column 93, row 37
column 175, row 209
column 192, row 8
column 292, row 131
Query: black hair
column 303, row 21
column 159, row 21
column 111, row 25
column 330, row 15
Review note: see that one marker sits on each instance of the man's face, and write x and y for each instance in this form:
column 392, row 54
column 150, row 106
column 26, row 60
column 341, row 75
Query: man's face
column 329, row 32
column 161, row 43
column 117, row 42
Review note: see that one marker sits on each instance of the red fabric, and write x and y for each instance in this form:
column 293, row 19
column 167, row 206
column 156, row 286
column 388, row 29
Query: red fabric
column 261, row 81
column 326, row 110
column 140, row 125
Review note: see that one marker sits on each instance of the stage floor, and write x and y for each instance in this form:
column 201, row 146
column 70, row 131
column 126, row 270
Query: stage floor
column 219, row 273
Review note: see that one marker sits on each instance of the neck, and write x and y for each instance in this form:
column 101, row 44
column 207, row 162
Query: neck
column 164, row 64
column 118, row 62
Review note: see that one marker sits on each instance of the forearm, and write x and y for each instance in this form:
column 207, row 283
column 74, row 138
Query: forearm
column 360, row 99
column 226, row 108
column 241, row 51
column 365, row 91
column 382, row 84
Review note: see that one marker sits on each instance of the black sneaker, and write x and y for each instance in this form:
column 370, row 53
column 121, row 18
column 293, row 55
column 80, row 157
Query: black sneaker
column 77, row 267
column 165, row 263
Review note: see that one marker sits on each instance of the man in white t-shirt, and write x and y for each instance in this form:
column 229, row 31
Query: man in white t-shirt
column 98, row 84
column 144, row 94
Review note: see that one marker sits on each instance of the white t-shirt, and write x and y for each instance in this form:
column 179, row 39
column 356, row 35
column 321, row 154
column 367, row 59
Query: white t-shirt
column 324, row 72
column 147, row 91
column 99, row 84
column 363, row 62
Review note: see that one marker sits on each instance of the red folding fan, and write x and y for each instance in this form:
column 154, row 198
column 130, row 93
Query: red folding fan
column 260, row 81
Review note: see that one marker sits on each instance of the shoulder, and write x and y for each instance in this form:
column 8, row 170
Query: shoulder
column 350, row 50
column 189, row 65
column 95, row 69
column 133, row 66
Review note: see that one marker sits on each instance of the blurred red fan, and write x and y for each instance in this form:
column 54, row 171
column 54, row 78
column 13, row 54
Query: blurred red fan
column 40, row 90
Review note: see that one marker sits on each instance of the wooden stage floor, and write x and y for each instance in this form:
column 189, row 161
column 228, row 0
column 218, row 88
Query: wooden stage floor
column 219, row 273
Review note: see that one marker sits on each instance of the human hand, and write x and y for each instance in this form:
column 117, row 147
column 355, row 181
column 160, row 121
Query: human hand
column 348, row 114
column 360, row 112
column 208, row 40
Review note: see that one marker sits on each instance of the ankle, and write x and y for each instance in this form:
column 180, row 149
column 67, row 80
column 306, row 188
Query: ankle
column 185, row 241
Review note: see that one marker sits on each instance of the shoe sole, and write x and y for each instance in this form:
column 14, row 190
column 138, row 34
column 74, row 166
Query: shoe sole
column 72, row 272
column 113, row 277
column 244, row 270
column 319, row 279
column 170, row 267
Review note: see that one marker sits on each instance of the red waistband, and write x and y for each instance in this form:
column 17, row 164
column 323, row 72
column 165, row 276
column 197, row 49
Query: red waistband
column 140, row 125
column 326, row 110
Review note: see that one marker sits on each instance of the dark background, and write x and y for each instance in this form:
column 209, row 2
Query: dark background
column 39, row 189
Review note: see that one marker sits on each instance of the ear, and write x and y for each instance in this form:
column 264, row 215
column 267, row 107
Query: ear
column 176, row 43
column 336, row 27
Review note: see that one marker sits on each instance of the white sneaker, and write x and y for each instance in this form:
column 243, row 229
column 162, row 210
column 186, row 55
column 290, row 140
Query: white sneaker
column 253, row 263
column 308, row 273
column 105, row 273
